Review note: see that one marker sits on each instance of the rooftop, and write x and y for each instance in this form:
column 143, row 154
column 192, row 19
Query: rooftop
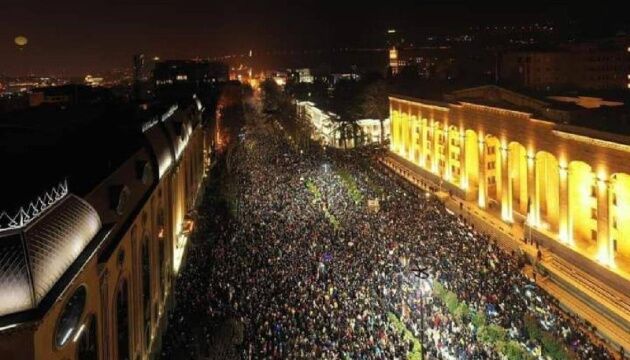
column 82, row 144
column 603, row 114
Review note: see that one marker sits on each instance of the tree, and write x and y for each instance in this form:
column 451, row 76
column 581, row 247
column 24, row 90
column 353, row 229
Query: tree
column 272, row 95
column 345, row 105
column 373, row 102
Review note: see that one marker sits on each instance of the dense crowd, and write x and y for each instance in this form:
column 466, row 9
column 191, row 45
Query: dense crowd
column 307, row 270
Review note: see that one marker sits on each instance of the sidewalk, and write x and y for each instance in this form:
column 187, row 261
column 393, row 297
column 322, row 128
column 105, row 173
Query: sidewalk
column 590, row 299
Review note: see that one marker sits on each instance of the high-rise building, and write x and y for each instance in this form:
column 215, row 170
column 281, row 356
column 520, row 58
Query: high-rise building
column 142, row 75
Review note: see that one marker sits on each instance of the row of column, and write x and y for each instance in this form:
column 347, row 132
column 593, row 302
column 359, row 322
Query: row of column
column 605, row 247
column 409, row 139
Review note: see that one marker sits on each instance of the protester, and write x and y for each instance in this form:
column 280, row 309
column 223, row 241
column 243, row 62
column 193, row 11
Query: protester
column 311, row 272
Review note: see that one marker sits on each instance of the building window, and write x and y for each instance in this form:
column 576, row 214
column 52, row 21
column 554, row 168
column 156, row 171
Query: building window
column 146, row 288
column 491, row 180
column 88, row 344
column 161, row 264
column 491, row 165
column 593, row 191
column 122, row 322
column 614, row 199
column 615, row 245
column 68, row 322
column 614, row 224
column 593, row 213
column 594, row 235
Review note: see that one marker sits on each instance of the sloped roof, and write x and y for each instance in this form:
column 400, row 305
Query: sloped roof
column 34, row 258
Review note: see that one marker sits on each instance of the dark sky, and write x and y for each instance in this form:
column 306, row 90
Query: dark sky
column 76, row 37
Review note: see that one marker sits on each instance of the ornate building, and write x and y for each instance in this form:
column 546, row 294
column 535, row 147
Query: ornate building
column 519, row 158
column 89, row 274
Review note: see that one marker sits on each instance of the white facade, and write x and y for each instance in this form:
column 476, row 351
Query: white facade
column 326, row 129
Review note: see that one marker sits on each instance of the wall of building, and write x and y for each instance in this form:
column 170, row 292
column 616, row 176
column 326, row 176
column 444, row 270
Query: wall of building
column 154, row 220
column 520, row 165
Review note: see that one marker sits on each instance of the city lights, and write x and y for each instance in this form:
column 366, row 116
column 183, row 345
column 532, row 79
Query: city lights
column 320, row 181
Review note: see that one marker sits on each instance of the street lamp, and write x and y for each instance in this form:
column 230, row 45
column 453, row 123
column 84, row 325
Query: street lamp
column 425, row 287
column 420, row 272
column 404, row 263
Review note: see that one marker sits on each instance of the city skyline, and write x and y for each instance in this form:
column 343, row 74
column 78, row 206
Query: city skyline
column 76, row 38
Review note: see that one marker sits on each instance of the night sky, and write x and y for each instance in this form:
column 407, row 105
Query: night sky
column 76, row 37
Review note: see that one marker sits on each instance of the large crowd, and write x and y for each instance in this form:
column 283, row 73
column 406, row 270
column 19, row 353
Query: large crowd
column 307, row 270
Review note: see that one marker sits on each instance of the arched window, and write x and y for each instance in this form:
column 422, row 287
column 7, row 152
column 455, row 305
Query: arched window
column 161, row 265
column 70, row 317
column 88, row 343
column 122, row 322
column 146, row 289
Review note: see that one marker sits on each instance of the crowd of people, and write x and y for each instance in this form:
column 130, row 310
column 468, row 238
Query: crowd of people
column 304, row 269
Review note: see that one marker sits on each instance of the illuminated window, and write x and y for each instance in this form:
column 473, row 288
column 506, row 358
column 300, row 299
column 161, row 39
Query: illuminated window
column 122, row 322
column 182, row 77
column 88, row 343
column 70, row 317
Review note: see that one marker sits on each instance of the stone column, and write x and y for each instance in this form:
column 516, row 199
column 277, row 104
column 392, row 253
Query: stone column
column 414, row 140
column 447, row 164
column 423, row 141
column 532, row 191
column 506, row 186
column 566, row 228
column 483, row 177
column 605, row 252
column 409, row 137
column 463, row 176
column 436, row 153
column 393, row 136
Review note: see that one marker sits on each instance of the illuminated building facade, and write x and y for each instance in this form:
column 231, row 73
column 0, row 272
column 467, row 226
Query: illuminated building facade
column 89, row 274
column 328, row 130
column 516, row 157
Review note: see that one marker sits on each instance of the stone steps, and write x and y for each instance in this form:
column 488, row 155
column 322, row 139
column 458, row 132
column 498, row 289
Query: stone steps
column 605, row 300
column 605, row 328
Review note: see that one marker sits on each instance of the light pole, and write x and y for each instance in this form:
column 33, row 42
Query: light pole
column 404, row 263
column 422, row 273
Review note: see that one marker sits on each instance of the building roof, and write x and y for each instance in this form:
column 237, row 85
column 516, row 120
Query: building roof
column 47, row 232
column 82, row 144
column 33, row 258
column 611, row 116
column 45, row 145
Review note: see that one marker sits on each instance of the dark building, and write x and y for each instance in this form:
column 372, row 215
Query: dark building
column 142, row 74
column 94, row 224
column 72, row 94
column 598, row 65
column 176, row 77
column 190, row 72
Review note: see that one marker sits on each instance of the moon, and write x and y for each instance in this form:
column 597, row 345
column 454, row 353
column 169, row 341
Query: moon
column 20, row 40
